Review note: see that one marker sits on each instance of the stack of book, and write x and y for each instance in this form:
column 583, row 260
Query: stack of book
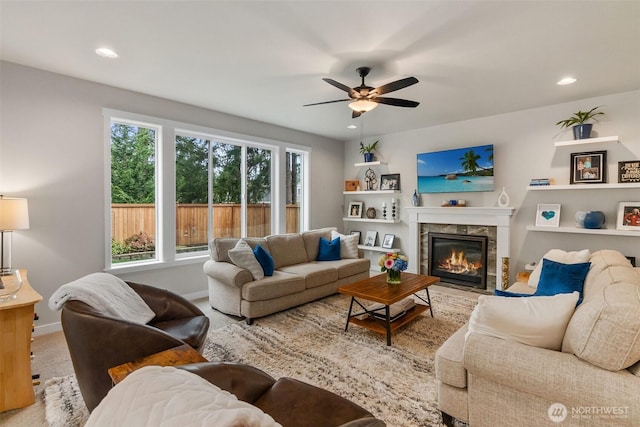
column 540, row 181
column 396, row 310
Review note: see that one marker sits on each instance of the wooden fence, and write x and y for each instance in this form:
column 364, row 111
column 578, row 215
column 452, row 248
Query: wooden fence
column 191, row 221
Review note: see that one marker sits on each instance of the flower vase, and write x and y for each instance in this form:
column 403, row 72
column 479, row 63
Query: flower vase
column 393, row 277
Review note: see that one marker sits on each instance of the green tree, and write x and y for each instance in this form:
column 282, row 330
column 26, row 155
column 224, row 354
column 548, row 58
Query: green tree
column 192, row 165
column 470, row 161
column 132, row 164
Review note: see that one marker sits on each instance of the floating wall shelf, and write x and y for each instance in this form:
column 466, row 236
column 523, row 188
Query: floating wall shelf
column 575, row 230
column 582, row 187
column 377, row 249
column 385, row 221
column 587, row 141
column 371, row 192
column 377, row 163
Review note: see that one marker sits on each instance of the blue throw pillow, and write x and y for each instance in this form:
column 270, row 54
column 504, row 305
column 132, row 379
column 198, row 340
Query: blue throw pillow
column 265, row 260
column 501, row 293
column 329, row 250
column 558, row 278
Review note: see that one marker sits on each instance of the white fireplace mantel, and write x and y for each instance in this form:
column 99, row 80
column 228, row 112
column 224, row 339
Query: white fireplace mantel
column 493, row 216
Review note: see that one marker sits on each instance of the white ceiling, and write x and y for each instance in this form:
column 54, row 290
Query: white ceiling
column 264, row 59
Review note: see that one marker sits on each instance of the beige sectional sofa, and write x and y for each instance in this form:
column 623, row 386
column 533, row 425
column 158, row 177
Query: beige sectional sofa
column 593, row 381
column 297, row 279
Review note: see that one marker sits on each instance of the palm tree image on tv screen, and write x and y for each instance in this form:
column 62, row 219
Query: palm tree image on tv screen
column 456, row 171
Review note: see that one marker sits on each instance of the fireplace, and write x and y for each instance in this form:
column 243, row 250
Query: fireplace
column 458, row 259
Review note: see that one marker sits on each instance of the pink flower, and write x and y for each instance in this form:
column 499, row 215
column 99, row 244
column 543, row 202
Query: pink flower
column 388, row 263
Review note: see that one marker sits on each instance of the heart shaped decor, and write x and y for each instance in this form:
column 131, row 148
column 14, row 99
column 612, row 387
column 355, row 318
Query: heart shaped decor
column 548, row 215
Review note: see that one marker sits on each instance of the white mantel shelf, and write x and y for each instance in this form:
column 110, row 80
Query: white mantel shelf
column 500, row 217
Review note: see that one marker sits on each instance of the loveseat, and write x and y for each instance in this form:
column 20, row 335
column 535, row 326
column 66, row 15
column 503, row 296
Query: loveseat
column 592, row 379
column 298, row 276
column 220, row 395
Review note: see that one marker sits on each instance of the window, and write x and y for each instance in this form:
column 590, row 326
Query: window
column 172, row 187
column 133, row 192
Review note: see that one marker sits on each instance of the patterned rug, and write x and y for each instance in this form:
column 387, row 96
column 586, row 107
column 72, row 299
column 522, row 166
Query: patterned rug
column 397, row 384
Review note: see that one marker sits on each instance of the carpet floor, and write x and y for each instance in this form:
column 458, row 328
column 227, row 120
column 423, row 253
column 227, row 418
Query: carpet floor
column 397, row 384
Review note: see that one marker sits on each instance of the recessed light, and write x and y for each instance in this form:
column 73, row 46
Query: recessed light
column 106, row 53
column 352, row 127
column 566, row 81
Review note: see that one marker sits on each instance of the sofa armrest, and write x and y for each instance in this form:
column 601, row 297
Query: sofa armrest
column 551, row 375
column 227, row 273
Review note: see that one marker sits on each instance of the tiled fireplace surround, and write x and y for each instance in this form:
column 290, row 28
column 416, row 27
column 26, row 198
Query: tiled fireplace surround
column 491, row 222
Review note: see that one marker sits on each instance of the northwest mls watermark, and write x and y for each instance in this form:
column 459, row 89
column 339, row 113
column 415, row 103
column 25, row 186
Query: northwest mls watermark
column 558, row 412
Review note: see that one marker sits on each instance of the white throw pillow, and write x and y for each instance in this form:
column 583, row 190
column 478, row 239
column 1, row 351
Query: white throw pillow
column 348, row 244
column 558, row 255
column 242, row 255
column 536, row 321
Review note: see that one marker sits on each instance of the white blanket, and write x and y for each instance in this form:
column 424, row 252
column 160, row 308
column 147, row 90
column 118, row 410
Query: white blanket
column 106, row 293
column 156, row 396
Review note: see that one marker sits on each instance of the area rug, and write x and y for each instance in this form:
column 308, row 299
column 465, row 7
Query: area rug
column 396, row 384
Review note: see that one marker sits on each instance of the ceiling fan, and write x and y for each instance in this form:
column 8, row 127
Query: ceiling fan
column 365, row 98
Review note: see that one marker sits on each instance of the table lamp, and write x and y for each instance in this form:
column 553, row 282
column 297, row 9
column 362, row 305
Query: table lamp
column 14, row 215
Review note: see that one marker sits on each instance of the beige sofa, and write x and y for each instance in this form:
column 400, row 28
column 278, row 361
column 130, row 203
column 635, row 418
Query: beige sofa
column 593, row 381
column 298, row 278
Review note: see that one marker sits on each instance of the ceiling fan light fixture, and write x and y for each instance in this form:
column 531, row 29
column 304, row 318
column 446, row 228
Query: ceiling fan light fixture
column 363, row 105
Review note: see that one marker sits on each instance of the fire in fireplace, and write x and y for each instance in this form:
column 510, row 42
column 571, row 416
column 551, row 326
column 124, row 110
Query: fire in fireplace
column 458, row 259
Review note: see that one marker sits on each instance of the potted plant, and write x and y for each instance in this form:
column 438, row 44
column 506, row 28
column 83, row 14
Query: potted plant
column 367, row 150
column 581, row 130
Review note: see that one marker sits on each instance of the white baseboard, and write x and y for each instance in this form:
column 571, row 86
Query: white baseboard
column 50, row 328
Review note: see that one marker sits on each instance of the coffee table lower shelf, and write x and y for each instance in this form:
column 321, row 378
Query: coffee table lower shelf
column 379, row 325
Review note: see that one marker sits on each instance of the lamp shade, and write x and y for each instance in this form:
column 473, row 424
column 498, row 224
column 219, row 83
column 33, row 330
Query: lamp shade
column 14, row 214
column 363, row 105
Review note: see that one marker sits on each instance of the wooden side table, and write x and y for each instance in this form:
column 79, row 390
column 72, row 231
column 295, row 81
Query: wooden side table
column 16, row 323
column 176, row 356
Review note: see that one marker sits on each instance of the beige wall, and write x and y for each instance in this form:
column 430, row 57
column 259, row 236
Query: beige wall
column 52, row 152
column 523, row 149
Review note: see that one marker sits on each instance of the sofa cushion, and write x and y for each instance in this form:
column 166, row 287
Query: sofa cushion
column 276, row 286
column 605, row 329
column 539, row 321
column 558, row 255
column 311, row 240
column 242, row 255
column 314, row 273
column 287, row 249
column 329, row 250
column 264, row 259
column 349, row 267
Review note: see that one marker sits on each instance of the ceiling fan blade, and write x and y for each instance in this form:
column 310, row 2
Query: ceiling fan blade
column 356, row 114
column 328, row 102
column 352, row 93
column 397, row 85
column 396, row 102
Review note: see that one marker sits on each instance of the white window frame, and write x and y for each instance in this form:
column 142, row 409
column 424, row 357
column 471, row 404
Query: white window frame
column 167, row 130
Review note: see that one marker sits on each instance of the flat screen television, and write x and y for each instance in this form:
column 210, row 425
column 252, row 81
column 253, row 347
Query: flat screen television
column 456, row 171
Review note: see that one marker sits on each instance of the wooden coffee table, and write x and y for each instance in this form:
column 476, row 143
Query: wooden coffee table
column 377, row 289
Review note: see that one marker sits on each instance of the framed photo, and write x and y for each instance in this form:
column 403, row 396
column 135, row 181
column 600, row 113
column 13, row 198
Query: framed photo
column 589, row 168
column 629, row 171
column 387, row 242
column 356, row 233
column 370, row 239
column 355, row 210
column 390, row 182
column 351, row 185
column 548, row 215
column 628, row 216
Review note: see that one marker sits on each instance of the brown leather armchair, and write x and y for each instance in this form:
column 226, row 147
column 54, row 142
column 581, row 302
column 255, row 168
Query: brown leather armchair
column 98, row 342
column 289, row 402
